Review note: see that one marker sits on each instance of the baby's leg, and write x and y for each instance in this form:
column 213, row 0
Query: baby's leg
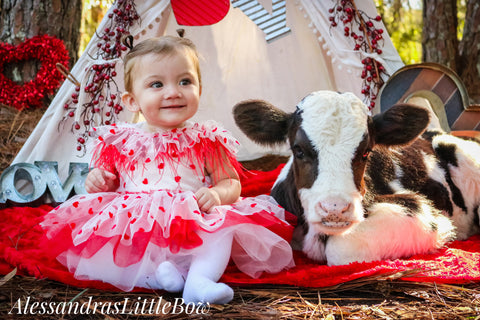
column 206, row 268
column 169, row 277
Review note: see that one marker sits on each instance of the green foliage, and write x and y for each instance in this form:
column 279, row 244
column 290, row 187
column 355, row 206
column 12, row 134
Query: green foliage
column 461, row 9
column 92, row 13
column 403, row 20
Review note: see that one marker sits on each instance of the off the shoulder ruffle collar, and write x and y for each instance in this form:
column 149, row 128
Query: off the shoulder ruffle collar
column 131, row 139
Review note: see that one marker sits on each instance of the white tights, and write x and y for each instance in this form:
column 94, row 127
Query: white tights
column 206, row 268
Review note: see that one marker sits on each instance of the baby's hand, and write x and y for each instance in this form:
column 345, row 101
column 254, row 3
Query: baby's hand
column 100, row 180
column 207, row 198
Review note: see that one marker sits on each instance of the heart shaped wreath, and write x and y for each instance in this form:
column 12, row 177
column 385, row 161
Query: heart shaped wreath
column 46, row 49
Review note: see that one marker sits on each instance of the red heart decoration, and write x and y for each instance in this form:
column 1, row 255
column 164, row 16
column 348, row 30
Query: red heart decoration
column 199, row 13
column 46, row 49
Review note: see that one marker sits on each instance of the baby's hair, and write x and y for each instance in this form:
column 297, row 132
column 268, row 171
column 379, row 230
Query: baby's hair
column 159, row 45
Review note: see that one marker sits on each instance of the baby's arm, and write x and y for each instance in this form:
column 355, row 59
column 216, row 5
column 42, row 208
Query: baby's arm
column 226, row 187
column 101, row 180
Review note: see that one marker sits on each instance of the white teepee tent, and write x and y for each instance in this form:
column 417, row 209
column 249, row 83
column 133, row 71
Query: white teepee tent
column 237, row 63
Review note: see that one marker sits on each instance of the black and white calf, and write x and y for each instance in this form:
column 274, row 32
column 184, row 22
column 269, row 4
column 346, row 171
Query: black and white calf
column 368, row 188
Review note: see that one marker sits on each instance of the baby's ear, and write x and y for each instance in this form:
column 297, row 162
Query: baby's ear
column 129, row 101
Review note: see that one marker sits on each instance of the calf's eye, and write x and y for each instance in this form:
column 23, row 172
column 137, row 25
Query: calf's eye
column 298, row 152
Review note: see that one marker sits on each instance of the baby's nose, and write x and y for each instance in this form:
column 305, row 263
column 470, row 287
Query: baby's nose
column 172, row 91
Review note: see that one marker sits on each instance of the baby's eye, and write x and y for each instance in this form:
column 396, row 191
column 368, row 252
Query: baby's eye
column 156, row 84
column 185, row 82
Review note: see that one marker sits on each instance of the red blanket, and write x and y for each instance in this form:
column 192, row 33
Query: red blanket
column 21, row 239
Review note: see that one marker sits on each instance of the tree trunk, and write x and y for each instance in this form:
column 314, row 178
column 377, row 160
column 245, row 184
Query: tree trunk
column 439, row 42
column 22, row 19
column 469, row 67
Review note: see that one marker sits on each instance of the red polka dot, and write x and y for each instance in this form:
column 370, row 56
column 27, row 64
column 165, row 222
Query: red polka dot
column 126, row 237
column 161, row 209
column 72, row 225
column 124, row 205
column 147, row 160
column 100, row 199
column 133, row 220
column 112, row 131
column 90, row 211
column 161, row 166
column 110, row 215
column 75, row 204
column 145, row 181
column 177, row 178
column 129, row 214
column 253, row 205
column 131, row 152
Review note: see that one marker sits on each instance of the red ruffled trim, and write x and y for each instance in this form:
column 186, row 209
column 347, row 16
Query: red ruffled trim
column 205, row 152
column 183, row 236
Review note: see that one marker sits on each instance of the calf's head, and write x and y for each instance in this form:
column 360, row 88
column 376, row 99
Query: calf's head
column 331, row 136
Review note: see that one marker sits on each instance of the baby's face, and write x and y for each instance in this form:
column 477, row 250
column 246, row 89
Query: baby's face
column 166, row 89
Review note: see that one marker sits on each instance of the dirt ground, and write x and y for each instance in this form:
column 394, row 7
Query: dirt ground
column 383, row 297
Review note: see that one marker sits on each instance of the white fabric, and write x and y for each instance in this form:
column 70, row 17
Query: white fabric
column 237, row 64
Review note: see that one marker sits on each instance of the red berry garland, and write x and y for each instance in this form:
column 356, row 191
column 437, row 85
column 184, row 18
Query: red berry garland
column 361, row 28
column 46, row 49
column 103, row 103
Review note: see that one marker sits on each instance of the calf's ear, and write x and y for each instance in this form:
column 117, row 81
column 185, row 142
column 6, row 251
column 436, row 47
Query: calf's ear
column 261, row 121
column 399, row 125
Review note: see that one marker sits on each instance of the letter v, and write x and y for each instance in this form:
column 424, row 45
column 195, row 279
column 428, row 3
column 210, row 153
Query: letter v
column 273, row 25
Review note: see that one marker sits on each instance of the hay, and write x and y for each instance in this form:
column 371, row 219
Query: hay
column 372, row 298
column 15, row 128
column 376, row 297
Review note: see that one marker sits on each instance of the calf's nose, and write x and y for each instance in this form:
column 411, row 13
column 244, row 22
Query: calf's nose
column 334, row 206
